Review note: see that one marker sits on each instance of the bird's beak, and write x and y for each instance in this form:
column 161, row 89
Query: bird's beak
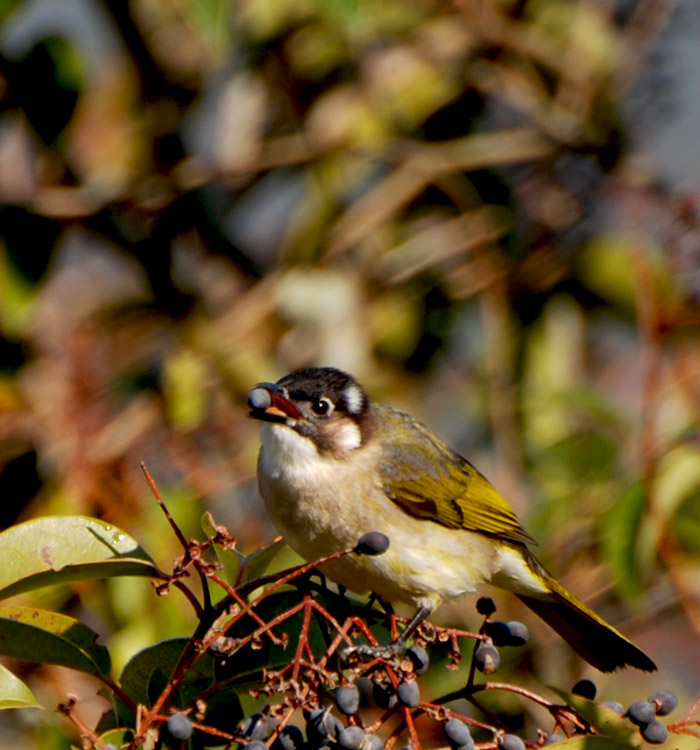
column 269, row 403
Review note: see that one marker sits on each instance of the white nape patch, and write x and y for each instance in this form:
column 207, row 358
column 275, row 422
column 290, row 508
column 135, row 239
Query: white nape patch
column 347, row 437
column 354, row 399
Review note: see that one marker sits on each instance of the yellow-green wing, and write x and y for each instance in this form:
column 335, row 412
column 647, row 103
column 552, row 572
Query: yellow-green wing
column 428, row 480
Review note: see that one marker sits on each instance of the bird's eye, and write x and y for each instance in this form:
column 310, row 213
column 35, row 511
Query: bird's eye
column 321, row 407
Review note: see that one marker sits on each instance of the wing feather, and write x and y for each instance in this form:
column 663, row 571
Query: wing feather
column 428, row 480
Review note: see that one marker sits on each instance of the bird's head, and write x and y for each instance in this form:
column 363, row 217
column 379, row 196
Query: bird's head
column 321, row 404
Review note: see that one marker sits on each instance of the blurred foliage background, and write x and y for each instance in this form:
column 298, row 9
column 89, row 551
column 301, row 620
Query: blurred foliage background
column 442, row 197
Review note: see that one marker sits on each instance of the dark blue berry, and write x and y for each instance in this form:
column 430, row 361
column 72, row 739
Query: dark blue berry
column 259, row 398
column 351, row 738
column 372, row 543
column 289, row 738
column 375, row 743
column 498, row 632
column 457, row 734
column 614, row 706
column 180, row 727
column 585, row 688
column 347, row 698
column 510, row 742
column 384, row 695
column 419, row 658
column 487, row 658
column 254, row 727
column 486, row 606
column 664, row 702
column 408, row 693
column 641, row 712
column 554, row 737
column 654, row 732
column 322, row 724
column 256, row 745
column 519, row 634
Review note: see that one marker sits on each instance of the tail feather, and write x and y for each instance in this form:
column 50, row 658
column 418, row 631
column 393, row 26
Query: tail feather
column 587, row 633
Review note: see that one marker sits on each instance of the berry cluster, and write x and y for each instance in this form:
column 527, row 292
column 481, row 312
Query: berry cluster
column 487, row 658
column 316, row 658
column 644, row 713
column 342, row 716
column 340, row 704
column 641, row 713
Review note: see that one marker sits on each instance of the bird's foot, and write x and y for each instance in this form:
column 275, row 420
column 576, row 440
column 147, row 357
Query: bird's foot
column 365, row 651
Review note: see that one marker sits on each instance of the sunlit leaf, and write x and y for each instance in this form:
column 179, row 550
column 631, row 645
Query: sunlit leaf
column 591, row 742
column 36, row 635
column 57, row 549
column 620, row 532
column 14, row 693
column 677, row 478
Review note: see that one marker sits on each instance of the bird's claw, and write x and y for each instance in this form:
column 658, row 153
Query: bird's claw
column 366, row 651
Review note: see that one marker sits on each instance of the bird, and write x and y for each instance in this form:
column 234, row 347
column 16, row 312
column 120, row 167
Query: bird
column 334, row 465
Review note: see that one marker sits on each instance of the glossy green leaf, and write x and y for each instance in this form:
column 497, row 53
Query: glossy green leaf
column 230, row 559
column 620, row 532
column 56, row 549
column 147, row 673
column 36, row 635
column 14, row 693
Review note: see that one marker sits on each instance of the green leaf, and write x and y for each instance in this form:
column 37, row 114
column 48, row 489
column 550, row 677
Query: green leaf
column 257, row 564
column 36, row 635
column 57, row 549
column 137, row 672
column 147, row 673
column 117, row 737
column 621, row 529
column 591, row 742
column 14, row 693
column 230, row 559
column 602, row 718
column 686, row 524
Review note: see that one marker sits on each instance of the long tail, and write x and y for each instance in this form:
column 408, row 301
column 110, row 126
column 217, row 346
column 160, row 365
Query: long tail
column 587, row 633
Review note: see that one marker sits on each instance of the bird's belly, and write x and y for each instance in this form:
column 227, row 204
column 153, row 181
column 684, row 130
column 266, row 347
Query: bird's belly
column 425, row 562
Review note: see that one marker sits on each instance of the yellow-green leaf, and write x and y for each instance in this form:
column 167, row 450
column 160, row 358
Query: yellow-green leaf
column 602, row 718
column 57, row 549
column 14, row 693
column 36, row 635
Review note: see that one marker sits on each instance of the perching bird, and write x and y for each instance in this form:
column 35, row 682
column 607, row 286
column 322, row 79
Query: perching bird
column 334, row 466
